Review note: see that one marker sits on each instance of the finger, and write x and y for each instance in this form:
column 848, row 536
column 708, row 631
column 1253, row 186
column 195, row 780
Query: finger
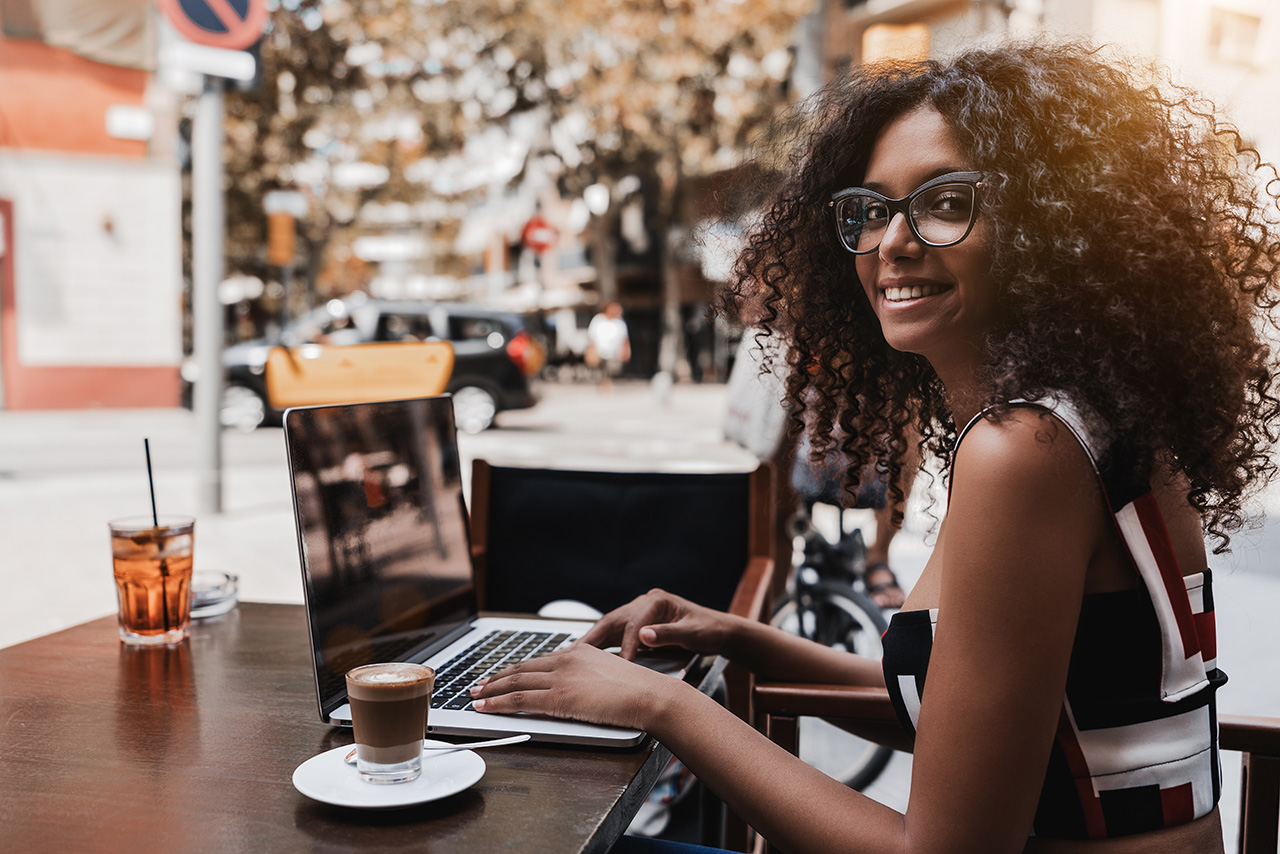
column 681, row 633
column 602, row 634
column 551, row 702
column 663, row 634
column 631, row 639
column 512, row 682
column 650, row 636
column 612, row 627
column 545, row 662
column 659, row 613
column 526, row 701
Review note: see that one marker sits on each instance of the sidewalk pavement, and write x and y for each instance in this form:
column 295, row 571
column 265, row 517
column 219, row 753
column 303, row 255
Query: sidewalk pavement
column 64, row 474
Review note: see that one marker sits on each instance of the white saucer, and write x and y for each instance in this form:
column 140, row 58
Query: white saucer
column 326, row 778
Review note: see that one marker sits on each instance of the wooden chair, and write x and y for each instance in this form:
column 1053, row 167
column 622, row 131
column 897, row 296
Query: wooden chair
column 605, row 537
column 869, row 713
column 1258, row 741
column 314, row 374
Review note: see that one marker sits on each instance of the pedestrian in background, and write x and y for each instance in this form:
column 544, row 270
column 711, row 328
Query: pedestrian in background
column 608, row 344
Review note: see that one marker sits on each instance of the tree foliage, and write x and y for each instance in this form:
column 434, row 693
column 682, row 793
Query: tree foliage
column 405, row 114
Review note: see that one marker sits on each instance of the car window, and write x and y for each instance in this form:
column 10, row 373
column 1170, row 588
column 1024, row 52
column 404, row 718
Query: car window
column 463, row 328
column 534, row 324
column 399, row 326
column 307, row 328
column 365, row 319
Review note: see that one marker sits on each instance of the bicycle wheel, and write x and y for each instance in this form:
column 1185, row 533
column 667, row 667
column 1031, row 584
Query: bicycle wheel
column 840, row 617
column 834, row 615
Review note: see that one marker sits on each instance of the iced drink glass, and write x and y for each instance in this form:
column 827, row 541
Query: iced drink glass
column 389, row 704
column 152, row 560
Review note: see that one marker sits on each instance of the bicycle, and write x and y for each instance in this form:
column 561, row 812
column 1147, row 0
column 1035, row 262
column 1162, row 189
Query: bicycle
column 825, row 604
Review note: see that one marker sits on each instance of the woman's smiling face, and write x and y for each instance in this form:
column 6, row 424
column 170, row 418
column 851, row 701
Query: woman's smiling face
column 938, row 302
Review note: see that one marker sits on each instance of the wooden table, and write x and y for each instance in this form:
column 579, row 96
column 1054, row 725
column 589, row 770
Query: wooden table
column 191, row 748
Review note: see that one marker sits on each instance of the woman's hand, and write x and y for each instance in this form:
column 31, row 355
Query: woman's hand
column 581, row 683
column 657, row 619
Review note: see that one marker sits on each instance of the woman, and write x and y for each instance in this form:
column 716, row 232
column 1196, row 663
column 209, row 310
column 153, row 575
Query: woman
column 1060, row 274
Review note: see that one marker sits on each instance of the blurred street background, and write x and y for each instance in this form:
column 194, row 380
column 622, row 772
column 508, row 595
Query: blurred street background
column 181, row 193
column 64, row 474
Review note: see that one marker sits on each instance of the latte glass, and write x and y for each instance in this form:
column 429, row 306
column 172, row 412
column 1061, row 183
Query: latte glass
column 389, row 705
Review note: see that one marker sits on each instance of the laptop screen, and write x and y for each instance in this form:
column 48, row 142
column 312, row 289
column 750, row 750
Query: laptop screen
column 382, row 528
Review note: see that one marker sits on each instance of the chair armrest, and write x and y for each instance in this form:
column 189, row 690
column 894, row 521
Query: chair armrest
column 1258, row 741
column 864, row 711
column 858, row 702
column 752, row 598
column 1249, row 734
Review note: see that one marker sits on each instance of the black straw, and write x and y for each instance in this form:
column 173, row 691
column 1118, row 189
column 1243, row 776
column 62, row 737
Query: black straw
column 151, row 482
column 155, row 520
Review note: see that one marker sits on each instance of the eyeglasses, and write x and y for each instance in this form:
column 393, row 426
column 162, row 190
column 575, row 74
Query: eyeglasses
column 940, row 212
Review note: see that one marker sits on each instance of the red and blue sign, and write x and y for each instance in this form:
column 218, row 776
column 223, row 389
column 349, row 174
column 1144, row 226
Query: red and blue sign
column 230, row 24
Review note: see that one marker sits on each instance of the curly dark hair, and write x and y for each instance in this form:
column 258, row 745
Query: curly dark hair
column 1134, row 244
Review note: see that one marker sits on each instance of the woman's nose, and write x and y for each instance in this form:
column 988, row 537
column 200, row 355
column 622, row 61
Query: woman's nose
column 899, row 241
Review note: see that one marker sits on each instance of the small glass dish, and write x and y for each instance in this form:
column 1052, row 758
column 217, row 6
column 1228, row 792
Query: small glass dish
column 213, row 593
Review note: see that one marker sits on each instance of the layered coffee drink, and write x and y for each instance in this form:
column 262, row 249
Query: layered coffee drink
column 389, row 705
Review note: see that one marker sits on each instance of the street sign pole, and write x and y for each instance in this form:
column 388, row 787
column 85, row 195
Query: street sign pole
column 218, row 30
column 208, row 223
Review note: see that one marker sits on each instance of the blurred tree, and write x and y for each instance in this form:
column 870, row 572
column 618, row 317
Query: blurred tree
column 409, row 113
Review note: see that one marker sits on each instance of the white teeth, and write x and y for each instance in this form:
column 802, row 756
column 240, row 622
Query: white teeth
column 913, row 292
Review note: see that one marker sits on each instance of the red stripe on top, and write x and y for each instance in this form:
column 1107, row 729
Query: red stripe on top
column 1175, row 588
column 1095, row 822
column 1207, row 631
column 1178, row 805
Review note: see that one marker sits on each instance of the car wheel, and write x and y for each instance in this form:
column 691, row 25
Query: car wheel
column 242, row 408
column 474, row 409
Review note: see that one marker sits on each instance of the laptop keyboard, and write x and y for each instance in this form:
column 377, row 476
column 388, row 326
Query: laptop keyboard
column 490, row 654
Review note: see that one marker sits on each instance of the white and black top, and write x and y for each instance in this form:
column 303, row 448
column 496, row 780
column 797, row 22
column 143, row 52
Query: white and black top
column 1136, row 748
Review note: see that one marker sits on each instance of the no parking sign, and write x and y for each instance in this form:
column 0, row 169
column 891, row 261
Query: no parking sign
column 229, row 24
column 538, row 234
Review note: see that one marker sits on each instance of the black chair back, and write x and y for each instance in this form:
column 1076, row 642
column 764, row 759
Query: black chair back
column 604, row 538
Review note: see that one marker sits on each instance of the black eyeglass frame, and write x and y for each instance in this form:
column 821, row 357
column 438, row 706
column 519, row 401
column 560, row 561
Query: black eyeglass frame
column 903, row 206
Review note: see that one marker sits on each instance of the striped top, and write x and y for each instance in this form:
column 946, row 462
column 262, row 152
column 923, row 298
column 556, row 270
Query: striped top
column 1136, row 748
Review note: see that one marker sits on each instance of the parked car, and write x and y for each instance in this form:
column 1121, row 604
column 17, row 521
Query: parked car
column 495, row 354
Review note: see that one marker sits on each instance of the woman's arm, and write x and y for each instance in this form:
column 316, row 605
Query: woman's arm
column 771, row 653
column 1025, row 520
column 660, row 619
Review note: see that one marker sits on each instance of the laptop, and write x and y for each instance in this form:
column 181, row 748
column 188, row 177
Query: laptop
column 386, row 566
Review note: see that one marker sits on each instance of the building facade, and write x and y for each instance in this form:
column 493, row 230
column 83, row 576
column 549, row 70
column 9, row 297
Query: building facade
column 1228, row 50
column 90, row 239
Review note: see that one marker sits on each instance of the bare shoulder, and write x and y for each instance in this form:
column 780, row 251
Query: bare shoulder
column 1026, row 449
column 1024, row 495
